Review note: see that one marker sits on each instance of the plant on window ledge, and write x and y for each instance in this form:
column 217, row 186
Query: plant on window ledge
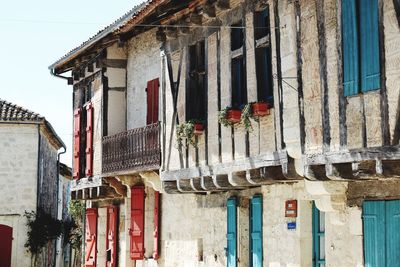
column 247, row 114
column 229, row 116
column 187, row 131
column 261, row 109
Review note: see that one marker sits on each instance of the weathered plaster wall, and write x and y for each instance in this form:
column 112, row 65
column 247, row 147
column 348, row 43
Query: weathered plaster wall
column 143, row 65
column 18, row 174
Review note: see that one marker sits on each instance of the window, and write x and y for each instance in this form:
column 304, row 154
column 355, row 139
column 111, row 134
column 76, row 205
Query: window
column 318, row 231
column 263, row 57
column 361, row 64
column 238, row 68
column 196, row 89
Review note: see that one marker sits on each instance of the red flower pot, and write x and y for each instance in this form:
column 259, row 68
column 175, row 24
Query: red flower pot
column 234, row 115
column 261, row 109
column 198, row 129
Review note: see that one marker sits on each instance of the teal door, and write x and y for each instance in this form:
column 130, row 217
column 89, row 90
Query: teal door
column 231, row 236
column 381, row 233
column 256, row 246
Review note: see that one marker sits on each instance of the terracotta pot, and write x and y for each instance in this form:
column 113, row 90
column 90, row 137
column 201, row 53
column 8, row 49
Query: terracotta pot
column 233, row 116
column 261, row 109
column 198, row 129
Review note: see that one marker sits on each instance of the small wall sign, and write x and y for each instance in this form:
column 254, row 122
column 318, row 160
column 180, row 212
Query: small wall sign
column 291, row 225
column 291, row 208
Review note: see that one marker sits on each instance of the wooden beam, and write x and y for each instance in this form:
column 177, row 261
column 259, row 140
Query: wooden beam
column 113, row 63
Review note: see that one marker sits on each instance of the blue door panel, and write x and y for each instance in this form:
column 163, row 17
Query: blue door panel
column 374, row 233
column 231, row 236
column 392, row 233
column 256, row 246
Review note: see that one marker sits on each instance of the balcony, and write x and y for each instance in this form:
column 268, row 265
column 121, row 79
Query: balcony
column 132, row 151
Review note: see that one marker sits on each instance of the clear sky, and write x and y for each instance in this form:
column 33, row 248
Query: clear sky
column 33, row 35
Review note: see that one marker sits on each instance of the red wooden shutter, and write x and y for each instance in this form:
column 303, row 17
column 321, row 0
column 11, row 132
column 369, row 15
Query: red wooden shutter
column 91, row 238
column 111, row 242
column 137, row 223
column 156, row 225
column 152, row 101
column 89, row 140
column 77, row 141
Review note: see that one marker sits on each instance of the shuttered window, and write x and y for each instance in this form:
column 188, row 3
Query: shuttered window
column 360, row 34
column 77, row 142
column 136, row 230
column 152, row 101
column 112, row 234
column 91, row 238
column 89, row 140
column 256, row 243
column 381, row 221
column 231, row 236
column 318, row 231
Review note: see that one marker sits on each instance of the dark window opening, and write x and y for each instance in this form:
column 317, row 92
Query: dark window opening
column 238, row 66
column 263, row 57
column 196, row 88
column 237, row 36
column 82, row 147
column 239, row 90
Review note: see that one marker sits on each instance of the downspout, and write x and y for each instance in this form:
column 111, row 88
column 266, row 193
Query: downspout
column 58, row 188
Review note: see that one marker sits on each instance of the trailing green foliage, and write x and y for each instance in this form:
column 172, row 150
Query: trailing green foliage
column 185, row 131
column 77, row 210
column 42, row 228
column 247, row 114
column 222, row 117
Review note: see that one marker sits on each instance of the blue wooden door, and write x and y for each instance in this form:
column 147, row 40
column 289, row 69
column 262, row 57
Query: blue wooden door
column 256, row 246
column 392, row 233
column 381, row 233
column 231, row 236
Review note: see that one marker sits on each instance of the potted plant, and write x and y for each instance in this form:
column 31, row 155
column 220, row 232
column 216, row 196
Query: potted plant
column 229, row 116
column 261, row 109
column 188, row 131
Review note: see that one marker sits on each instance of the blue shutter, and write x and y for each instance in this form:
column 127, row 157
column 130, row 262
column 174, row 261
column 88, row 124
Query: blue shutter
column 374, row 233
column 256, row 245
column 318, row 235
column 350, row 48
column 369, row 46
column 231, row 233
column 392, row 233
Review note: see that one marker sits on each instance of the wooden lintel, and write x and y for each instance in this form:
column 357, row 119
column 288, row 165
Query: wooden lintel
column 113, row 63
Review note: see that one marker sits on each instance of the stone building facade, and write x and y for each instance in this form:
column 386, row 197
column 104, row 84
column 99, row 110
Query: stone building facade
column 301, row 186
column 28, row 156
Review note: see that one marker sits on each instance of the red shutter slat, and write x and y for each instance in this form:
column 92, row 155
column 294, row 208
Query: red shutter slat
column 152, row 101
column 112, row 234
column 89, row 140
column 137, row 223
column 156, row 225
column 77, row 141
column 91, row 238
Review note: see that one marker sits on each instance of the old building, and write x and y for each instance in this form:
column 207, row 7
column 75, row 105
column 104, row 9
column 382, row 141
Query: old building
column 29, row 153
column 309, row 176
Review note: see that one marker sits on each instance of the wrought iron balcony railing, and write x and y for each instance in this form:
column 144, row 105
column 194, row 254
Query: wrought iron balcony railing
column 134, row 150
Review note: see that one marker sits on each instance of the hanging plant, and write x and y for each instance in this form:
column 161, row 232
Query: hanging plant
column 187, row 131
column 247, row 115
column 229, row 116
column 76, row 209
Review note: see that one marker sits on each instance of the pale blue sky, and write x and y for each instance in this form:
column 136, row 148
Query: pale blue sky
column 33, row 35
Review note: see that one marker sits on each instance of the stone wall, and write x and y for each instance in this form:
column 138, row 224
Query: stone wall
column 18, row 173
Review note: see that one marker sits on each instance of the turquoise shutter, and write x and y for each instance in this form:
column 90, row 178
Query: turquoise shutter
column 392, row 233
column 374, row 233
column 256, row 246
column 350, row 48
column 369, row 35
column 231, row 233
column 318, row 235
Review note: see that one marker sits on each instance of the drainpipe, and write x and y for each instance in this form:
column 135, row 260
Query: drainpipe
column 58, row 189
